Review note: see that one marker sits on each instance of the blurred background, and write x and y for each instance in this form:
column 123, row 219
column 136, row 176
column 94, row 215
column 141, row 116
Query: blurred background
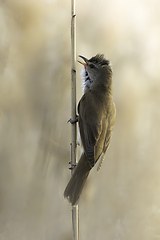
column 122, row 202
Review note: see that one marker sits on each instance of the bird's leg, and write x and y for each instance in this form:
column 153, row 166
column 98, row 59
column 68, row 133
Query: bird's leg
column 73, row 165
column 73, row 121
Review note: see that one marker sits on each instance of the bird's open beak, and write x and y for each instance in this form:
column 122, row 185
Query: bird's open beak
column 85, row 59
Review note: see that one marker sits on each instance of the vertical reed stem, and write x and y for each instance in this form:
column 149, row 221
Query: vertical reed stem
column 75, row 213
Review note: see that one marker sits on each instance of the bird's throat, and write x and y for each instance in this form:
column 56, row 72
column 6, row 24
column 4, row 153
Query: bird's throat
column 86, row 80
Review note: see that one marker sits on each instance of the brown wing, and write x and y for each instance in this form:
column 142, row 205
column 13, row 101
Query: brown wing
column 90, row 127
column 111, row 121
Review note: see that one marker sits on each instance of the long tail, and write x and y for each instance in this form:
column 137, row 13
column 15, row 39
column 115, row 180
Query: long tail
column 77, row 181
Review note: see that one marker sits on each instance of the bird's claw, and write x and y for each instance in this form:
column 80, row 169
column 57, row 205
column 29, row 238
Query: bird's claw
column 73, row 165
column 73, row 121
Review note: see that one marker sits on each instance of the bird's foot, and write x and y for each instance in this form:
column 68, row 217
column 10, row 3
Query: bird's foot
column 73, row 165
column 73, row 121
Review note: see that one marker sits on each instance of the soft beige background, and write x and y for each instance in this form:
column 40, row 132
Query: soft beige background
column 122, row 202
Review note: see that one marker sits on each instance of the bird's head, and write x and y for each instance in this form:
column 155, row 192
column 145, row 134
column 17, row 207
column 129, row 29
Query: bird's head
column 96, row 69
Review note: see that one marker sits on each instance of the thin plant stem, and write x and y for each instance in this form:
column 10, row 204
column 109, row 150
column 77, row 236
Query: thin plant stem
column 75, row 213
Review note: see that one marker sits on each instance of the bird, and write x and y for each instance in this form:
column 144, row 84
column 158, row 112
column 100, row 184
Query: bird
column 96, row 118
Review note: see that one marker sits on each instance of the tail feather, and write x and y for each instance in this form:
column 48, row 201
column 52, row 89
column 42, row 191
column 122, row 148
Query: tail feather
column 77, row 181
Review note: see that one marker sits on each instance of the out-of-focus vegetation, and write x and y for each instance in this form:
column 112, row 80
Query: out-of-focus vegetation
column 121, row 202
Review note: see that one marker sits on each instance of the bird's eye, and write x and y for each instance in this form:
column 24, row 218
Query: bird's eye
column 91, row 66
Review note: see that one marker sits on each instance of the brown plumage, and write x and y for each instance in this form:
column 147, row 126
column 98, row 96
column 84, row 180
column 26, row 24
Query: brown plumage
column 96, row 120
